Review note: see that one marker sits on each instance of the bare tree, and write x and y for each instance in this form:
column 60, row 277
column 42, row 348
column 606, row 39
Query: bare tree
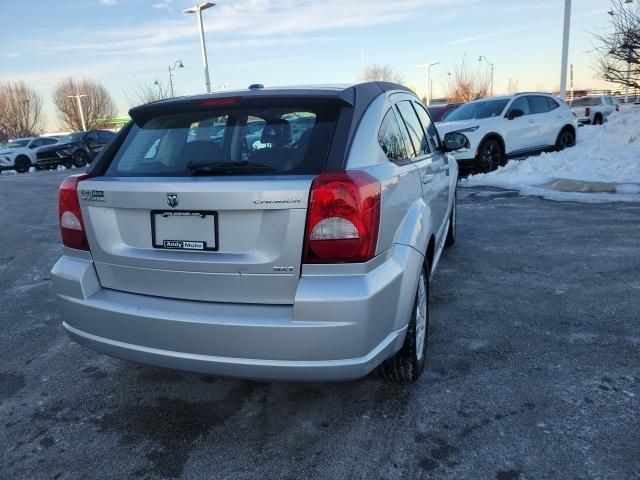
column 467, row 83
column 97, row 105
column 617, row 49
column 147, row 92
column 513, row 86
column 381, row 73
column 20, row 110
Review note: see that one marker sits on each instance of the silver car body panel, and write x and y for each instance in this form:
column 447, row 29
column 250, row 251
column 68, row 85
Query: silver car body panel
column 232, row 311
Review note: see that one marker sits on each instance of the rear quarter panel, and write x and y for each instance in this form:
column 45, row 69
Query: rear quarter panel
column 405, row 218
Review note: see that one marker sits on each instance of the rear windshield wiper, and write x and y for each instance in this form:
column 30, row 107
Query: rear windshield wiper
column 228, row 168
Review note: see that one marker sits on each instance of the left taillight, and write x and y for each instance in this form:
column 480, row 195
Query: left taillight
column 342, row 218
column 70, row 216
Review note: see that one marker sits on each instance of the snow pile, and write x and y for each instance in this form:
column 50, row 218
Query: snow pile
column 604, row 166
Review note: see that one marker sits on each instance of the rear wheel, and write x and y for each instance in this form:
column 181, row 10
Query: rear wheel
column 80, row 158
column 566, row 139
column 597, row 120
column 408, row 364
column 490, row 155
column 451, row 232
column 22, row 164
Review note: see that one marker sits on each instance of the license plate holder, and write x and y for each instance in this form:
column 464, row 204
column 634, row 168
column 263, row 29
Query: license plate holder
column 193, row 230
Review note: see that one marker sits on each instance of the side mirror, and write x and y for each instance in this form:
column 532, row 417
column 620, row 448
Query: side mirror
column 515, row 113
column 454, row 141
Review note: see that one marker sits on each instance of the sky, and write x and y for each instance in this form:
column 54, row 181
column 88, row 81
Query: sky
column 123, row 43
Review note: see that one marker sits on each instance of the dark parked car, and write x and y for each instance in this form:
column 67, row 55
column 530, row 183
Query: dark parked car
column 439, row 112
column 77, row 149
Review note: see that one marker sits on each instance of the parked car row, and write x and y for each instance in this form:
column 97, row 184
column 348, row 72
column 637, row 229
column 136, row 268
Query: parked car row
column 75, row 149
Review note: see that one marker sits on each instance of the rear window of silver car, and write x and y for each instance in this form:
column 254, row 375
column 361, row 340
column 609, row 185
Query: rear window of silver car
column 237, row 141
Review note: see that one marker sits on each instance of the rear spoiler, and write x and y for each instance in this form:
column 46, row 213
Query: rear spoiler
column 232, row 100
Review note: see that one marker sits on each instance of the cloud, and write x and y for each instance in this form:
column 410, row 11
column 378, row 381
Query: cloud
column 11, row 55
column 109, row 3
column 243, row 22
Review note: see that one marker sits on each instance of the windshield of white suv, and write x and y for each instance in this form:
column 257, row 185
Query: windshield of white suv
column 478, row 110
column 17, row 143
column 232, row 141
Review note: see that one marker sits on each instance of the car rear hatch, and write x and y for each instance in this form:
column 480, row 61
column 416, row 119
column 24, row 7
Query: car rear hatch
column 183, row 211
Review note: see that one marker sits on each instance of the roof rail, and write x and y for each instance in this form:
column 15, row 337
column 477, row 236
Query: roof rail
column 530, row 93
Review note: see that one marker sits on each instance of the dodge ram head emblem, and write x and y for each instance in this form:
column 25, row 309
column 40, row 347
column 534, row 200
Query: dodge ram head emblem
column 172, row 199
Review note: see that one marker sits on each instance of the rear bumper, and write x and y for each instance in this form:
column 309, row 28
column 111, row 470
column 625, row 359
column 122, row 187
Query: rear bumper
column 340, row 327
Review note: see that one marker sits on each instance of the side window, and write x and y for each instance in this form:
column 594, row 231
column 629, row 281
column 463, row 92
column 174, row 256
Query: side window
column 48, row 141
column 551, row 103
column 35, row 143
column 538, row 104
column 521, row 103
column 390, row 138
column 416, row 134
column 428, row 126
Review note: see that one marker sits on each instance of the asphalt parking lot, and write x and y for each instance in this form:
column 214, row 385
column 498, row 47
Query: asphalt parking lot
column 533, row 368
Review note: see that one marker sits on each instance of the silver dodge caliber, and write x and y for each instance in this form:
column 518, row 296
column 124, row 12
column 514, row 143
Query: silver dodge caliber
column 284, row 233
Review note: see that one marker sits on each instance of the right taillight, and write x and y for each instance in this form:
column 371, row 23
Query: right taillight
column 343, row 218
column 587, row 112
column 71, row 224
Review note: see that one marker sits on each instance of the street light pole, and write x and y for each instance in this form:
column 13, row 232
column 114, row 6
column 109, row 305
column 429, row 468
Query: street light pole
column 427, row 66
column 482, row 57
column 176, row 64
column 77, row 97
column 565, row 49
column 198, row 9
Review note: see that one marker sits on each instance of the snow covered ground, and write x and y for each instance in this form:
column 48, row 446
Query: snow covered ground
column 604, row 166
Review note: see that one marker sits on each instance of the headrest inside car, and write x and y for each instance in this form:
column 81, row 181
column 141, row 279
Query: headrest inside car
column 276, row 132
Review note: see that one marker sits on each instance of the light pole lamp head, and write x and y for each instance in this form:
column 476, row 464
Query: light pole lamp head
column 180, row 65
column 199, row 7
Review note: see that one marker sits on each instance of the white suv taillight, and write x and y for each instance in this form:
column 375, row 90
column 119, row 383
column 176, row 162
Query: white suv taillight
column 71, row 224
column 587, row 111
column 343, row 218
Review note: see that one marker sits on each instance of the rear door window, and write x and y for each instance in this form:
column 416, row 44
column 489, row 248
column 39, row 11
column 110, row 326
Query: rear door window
column 414, row 128
column 538, row 104
column 238, row 141
column 390, row 138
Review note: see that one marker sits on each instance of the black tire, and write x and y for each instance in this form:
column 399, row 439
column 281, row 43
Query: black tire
column 453, row 219
column 80, row 158
column 22, row 164
column 566, row 139
column 490, row 155
column 408, row 363
column 597, row 120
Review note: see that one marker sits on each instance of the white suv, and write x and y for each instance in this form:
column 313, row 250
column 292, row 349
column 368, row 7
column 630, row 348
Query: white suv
column 502, row 127
column 20, row 154
column 594, row 110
